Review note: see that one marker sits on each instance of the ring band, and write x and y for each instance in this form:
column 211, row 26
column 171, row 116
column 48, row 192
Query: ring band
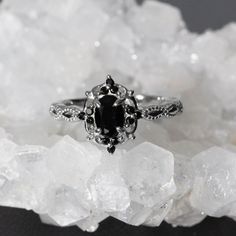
column 111, row 112
column 152, row 107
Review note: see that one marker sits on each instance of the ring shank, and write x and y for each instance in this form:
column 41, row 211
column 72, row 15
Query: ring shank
column 146, row 100
column 69, row 109
column 155, row 107
column 75, row 102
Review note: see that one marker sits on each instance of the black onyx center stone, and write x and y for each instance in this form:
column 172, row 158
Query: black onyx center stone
column 109, row 117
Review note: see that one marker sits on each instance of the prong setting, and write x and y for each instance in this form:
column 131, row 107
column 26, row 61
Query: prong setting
column 90, row 137
column 131, row 136
column 87, row 93
column 98, row 131
column 130, row 92
column 97, row 103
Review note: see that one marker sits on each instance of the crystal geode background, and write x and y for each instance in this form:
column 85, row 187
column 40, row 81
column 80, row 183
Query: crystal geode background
column 178, row 170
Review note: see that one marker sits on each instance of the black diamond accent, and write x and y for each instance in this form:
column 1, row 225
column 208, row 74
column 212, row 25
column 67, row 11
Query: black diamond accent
column 81, row 115
column 104, row 91
column 130, row 120
column 111, row 149
column 114, row 89
column 110, row 81
column 90, row 120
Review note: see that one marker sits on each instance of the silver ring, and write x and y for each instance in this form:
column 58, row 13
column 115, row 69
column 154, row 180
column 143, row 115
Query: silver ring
column 111, row 112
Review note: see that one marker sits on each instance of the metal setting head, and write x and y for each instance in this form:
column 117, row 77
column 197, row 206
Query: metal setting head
column 111, row 114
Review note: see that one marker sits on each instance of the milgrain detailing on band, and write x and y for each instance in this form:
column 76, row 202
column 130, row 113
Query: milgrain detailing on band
column 68, row 110
column 155, row 107
column 111, row 112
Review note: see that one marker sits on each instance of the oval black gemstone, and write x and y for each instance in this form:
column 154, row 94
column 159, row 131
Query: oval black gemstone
column 90, row 120
column 81, row 115
column 109, row 117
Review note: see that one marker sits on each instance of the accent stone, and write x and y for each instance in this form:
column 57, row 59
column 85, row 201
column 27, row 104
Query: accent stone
column 114, row 89
column 110, row 81
column 111, row 149
column 81, row 115
column 90, row 120
column 104, row 90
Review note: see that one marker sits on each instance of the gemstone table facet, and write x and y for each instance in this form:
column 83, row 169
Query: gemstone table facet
column 109, row 117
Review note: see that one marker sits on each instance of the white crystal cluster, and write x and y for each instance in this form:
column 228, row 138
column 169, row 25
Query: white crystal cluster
column 178, row 170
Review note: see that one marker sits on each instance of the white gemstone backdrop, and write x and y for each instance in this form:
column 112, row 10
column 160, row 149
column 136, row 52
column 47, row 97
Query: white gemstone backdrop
column 178, row 170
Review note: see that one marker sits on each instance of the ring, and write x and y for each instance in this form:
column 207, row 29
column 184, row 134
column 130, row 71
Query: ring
column 111, row 112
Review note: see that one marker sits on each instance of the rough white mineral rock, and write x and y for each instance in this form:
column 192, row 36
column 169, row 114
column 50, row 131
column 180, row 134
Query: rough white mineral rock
column 153, row 183
column 178, row 170
column 214, row 181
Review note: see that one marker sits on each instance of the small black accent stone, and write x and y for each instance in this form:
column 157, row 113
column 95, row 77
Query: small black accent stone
column 110, row 81
column 138, row 114
column 81, row 115
column 111, row 149
column 114, row 89
column 90, row 120
column 130, row 120
column 130, row 110
column 104, row 90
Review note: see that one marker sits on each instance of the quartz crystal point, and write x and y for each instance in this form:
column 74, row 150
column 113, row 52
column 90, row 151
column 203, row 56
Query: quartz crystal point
column 179, row 170
column 214, row 181
column 107, row 187
column 72, row 163
column 153, row 183
column 24, row 177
